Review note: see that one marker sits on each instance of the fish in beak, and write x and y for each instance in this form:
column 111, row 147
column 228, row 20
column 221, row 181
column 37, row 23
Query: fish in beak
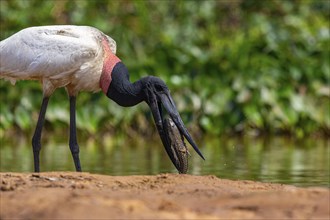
column 159, row 99
column 177, row 151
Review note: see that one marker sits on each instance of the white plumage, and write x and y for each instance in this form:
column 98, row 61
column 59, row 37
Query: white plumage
column 59, row 56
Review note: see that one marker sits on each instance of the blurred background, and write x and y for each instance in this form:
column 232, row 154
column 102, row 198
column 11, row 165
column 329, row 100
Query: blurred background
column 237, row 69
column 232, row 66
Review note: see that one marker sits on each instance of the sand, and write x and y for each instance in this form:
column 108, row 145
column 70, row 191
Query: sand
column 71, row 195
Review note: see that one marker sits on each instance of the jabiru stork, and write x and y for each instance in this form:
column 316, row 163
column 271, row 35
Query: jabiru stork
column 82, row 58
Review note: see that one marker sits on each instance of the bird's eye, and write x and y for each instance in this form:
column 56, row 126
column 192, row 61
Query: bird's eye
column 159, row 88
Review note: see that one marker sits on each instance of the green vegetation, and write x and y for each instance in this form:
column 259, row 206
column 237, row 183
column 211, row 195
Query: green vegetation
column 232, row 66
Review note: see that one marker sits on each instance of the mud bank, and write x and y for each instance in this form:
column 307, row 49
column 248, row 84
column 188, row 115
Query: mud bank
column 70, row 195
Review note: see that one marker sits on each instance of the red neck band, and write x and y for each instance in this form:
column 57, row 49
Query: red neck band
column 109, row 62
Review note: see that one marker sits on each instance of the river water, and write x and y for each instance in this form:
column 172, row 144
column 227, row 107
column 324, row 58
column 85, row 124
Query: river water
column 273, row 159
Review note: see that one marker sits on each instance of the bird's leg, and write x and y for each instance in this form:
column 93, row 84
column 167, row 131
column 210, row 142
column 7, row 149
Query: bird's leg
column 74, row 147
column 36, row 145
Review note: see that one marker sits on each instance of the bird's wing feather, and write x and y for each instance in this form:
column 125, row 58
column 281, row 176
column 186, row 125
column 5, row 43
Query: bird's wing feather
column 50, row 51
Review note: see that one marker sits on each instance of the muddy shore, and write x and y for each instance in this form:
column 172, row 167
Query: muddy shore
column 70, row 195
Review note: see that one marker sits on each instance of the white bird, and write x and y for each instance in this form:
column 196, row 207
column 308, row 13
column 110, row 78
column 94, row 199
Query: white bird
column 82, row 58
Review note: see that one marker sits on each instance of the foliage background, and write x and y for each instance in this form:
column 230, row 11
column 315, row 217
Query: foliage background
column 232, row 66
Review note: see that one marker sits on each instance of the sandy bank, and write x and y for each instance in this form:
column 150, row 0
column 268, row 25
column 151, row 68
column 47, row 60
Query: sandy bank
column 70, row 195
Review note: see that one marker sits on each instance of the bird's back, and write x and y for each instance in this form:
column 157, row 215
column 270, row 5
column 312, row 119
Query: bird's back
column 60, row 54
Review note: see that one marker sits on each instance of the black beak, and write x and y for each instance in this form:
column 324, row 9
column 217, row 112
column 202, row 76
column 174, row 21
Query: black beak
column 161, row 99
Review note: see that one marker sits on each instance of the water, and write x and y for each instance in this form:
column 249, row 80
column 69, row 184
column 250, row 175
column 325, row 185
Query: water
column 277, row 160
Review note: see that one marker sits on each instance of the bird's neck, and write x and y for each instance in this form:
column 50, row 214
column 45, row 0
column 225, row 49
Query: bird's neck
column 116, row 85
column 114, row 80
column 109, row 63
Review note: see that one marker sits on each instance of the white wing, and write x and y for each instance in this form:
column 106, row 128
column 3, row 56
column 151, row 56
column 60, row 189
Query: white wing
column 51, row 52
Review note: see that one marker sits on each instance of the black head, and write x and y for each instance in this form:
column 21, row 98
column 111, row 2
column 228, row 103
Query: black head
column 155, row 93
column 158, row 98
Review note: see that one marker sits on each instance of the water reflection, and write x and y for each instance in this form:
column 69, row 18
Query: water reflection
column 279, row 160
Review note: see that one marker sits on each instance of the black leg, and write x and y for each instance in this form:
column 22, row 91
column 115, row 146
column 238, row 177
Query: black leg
column 36, row 145
column 74, row 147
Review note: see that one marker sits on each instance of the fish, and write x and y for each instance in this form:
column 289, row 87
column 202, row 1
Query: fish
column 177, row 150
